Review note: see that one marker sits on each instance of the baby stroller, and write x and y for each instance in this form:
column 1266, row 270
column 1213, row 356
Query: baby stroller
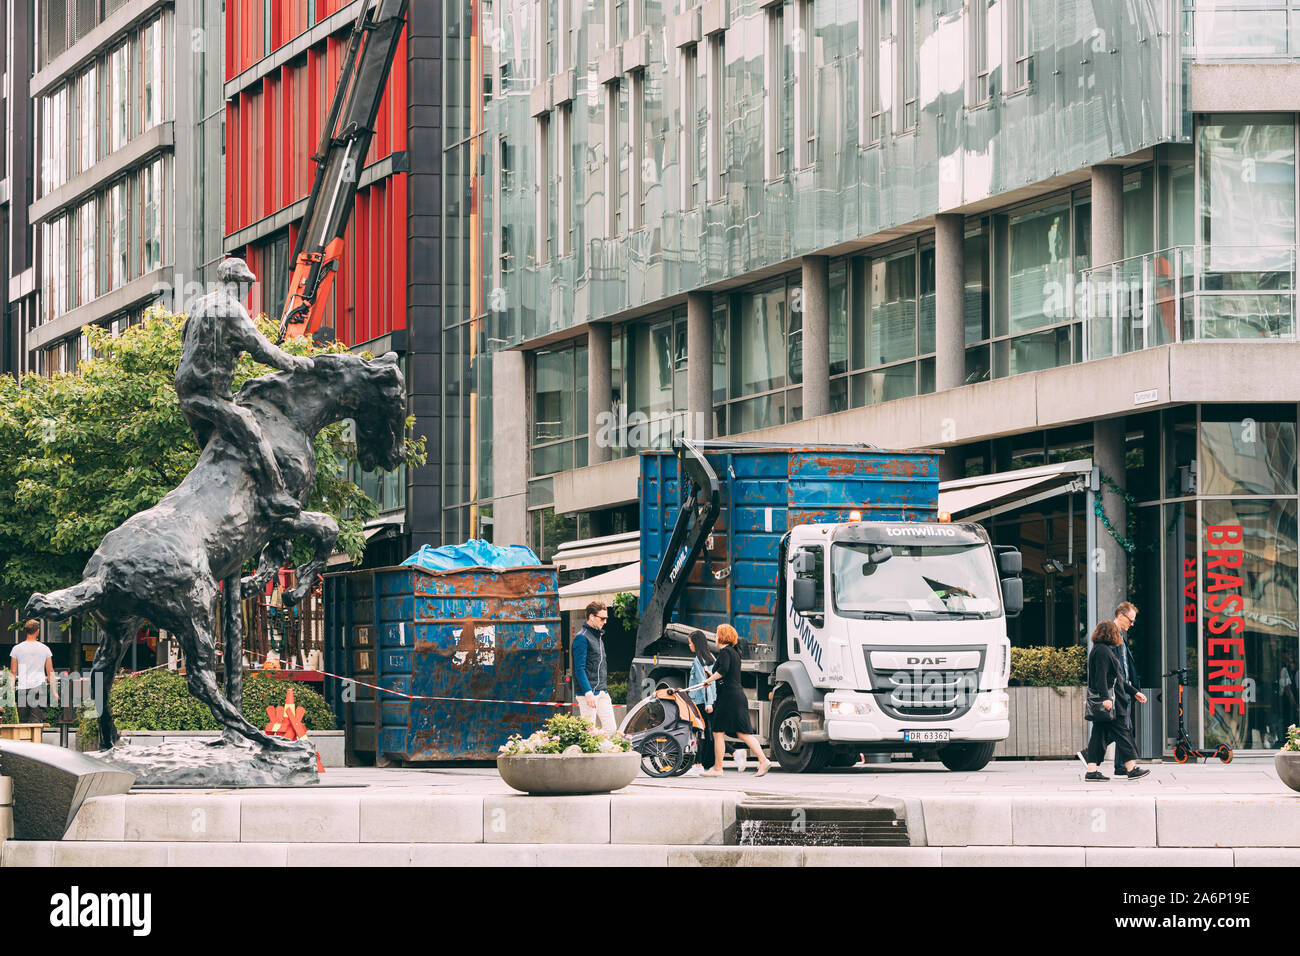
column 665, row 729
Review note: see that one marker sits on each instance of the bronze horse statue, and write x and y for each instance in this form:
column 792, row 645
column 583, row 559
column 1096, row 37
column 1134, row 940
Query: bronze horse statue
column 164, row 564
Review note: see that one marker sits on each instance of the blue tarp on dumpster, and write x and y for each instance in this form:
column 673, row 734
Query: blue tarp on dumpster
column 474, row 553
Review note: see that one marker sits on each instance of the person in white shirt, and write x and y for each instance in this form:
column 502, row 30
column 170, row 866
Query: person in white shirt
column 32, row 665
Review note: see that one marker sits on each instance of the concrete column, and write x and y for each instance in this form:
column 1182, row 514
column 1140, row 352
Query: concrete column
column 949, row 301
column 509, row 448
column 1107, row 214
column 699, row 365
column 816, row 337
column 1111, row 561
column 600, row 398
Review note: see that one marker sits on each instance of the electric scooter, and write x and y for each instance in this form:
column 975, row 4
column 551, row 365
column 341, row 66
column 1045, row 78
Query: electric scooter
column 1184, row 750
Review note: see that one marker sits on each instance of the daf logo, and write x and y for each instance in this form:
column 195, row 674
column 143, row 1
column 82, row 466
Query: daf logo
column 927, row 660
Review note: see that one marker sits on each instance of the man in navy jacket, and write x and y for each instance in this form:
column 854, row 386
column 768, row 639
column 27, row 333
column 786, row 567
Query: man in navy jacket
column 591, row 668
column 1125, row 617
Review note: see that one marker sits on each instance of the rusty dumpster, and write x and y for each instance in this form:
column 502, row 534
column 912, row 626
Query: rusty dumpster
column 442, row 665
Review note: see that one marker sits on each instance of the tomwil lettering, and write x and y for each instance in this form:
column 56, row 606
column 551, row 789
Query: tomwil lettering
column 1226, row 648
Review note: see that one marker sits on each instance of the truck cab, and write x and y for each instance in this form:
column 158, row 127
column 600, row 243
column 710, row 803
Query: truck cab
column 895, row 640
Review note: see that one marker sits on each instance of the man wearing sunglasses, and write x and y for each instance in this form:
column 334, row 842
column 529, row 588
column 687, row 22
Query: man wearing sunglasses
column 1125, row 617
column 591, row 668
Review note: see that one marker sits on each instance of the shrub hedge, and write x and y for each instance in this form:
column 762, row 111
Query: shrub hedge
column 159, row 700
column 1049, row 666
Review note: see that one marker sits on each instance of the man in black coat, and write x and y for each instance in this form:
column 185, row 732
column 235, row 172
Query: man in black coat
column 1125, row 617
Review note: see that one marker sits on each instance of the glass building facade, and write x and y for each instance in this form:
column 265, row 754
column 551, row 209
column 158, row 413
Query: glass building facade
column 982, row 194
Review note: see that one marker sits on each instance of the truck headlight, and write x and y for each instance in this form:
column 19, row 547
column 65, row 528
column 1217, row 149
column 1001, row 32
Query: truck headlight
column 993, row 704
column 848, row 708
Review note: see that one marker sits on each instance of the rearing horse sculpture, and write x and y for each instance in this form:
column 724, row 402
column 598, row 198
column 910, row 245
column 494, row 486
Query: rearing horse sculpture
column 164, row 564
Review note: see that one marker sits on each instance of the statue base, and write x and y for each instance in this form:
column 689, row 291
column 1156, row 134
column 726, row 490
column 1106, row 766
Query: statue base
column 231, row 761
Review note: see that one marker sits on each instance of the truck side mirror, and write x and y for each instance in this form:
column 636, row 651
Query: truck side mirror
column 804, row 562
column 1009, row 562
column 805, row 595
column 1013, row 595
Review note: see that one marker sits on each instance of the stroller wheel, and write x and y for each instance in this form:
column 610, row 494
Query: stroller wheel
column 661, row 754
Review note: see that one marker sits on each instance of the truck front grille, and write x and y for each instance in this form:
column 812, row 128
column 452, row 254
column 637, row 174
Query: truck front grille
column 925, row 693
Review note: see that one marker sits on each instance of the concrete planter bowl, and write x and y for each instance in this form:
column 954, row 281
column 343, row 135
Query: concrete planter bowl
column 1287, row 765
column 579, row 773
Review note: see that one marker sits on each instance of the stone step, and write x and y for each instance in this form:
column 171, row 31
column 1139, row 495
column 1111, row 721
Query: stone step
column 662, row 817
column 87, row 854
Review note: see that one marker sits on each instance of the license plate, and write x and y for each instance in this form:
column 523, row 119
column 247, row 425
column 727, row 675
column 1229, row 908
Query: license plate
column 926, row 736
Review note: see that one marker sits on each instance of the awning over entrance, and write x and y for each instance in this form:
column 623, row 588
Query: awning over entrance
column 974, row 499
column 598, row 552
column 602, row 587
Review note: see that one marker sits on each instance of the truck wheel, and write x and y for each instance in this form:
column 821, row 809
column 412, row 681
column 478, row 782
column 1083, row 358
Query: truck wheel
column 805, row 758
column 967, row 758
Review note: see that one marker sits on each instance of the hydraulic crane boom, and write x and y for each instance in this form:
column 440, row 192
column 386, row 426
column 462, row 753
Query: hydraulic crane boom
column 345, row 141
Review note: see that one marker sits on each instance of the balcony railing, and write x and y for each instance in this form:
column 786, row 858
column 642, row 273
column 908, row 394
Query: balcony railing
column 1241, row 29
column 1189, row 293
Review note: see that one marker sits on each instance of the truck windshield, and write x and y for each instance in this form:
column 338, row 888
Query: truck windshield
column 949, row 580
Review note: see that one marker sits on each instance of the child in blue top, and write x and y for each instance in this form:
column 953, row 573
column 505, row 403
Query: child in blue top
column 705, row 697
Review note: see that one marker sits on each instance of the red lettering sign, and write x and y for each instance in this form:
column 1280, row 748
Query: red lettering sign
column 1225, row 660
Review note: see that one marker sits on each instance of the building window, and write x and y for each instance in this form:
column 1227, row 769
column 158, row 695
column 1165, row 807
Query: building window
column 151, row 233
column 564, row 168
column 54, row 147
column 559, row 436
column 1020, row 61
column 717, row 86
column 649, row 383
column 543, row 153
column 119, row 234
column 88, row 118
column 776, row 81
column 638, row 163
column 87, row 269
column 804, row 44
column 877, row 67
column 612, row 157
column 690, row 151
column 120, row 96
column 905, row 21
column 978, row 86
column 154, row 90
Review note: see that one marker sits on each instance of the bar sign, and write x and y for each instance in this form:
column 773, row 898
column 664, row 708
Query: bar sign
column 1146, row 397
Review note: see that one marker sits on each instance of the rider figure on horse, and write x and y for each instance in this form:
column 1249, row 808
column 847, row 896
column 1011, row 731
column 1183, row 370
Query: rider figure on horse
column 216, row 333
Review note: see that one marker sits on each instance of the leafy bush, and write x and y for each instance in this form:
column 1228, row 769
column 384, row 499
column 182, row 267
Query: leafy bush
column 1049, row 666
column 617, row 684
column 1292, row 744
column 564, row 731
column 159, row 700
column 625, row 609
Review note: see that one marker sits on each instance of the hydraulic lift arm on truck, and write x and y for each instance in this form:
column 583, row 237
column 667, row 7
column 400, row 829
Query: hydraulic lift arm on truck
column 690, row 532
column 345, row 141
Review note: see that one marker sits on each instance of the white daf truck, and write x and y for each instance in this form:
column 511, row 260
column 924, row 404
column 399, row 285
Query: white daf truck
column 885, row 636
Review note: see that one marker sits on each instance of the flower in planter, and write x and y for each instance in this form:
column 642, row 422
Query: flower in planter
column 1292, row 744
column 564, row 734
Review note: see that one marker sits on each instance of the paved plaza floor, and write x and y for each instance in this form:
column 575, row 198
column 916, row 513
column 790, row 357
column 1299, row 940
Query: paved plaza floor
column 1245, row 775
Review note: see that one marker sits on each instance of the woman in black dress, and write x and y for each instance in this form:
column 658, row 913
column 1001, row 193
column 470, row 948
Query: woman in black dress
column 1104, row 673
column 731, row 710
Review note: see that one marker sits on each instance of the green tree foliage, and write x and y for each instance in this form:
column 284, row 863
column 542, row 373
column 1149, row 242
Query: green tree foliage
column 82, row 452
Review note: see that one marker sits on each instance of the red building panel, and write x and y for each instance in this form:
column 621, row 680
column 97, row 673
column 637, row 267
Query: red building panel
column 272, row 130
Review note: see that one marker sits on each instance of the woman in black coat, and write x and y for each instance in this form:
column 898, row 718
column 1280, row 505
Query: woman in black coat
column 731, row 711
column 1104, row 675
